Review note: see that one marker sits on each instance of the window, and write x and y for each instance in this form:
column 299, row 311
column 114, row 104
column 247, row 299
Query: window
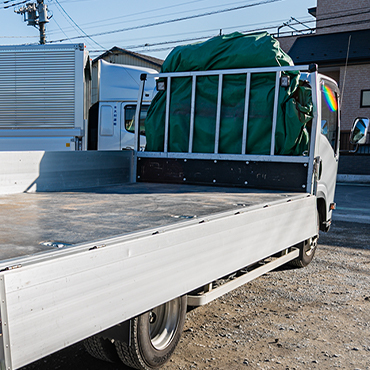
column 365, row 98
column 329, row 113
column 106, row 120
column 130, row 111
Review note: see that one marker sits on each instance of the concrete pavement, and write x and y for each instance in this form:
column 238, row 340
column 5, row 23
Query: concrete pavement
column 353, row 203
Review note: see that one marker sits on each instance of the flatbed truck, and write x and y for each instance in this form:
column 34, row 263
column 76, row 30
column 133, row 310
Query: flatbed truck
column 118, row 266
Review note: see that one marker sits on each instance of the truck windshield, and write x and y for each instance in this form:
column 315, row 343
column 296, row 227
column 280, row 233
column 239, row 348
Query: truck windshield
column 130, row 111
column 329, row 113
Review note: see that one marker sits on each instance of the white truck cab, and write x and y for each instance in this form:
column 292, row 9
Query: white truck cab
column 327, row 147
column 111, row 118
column 326, row 101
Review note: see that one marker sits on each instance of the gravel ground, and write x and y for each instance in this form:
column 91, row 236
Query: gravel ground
column 317, row 317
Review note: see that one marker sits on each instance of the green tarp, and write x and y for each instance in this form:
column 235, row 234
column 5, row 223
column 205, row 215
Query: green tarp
column 231, row 52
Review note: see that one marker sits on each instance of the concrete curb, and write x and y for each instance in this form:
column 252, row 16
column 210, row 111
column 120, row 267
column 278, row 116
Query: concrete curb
column 359, row 179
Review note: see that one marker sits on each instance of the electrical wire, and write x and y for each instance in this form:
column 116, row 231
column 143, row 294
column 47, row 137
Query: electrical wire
column 210, row 32
column 73, row 27
column 15, row 4
column 7, row 1
column 328, row 16
column 175, row 20
column 151, row 16
column 144, row 47
column 61, row 29
column 18, row 37
column 209, row 36
column 336, row 24
column 145, row 12
column 89, row 37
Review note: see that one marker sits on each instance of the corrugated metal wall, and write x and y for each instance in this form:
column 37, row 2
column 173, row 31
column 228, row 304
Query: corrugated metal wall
column 37, row 88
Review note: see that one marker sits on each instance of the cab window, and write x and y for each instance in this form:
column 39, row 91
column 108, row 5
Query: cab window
column 329, row 113
column 130, row 111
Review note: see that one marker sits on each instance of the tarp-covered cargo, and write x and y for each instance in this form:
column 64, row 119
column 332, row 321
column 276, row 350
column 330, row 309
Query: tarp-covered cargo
column 231, row 52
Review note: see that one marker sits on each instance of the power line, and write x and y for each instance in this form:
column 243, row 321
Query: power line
column 334, row 18
column 18, row 37
column 73, row 27
column 146, row 45
column 176, row 20
column 7, row 1
column 332, row 15
column 89, row 37
column 61, row 28
column 146, row 12
column 11, row 5
column 213, row 31
column 206, row 37
column 151, row 16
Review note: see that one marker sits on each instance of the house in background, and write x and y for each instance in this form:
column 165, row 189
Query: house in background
column 122, row 56
column 341, row 48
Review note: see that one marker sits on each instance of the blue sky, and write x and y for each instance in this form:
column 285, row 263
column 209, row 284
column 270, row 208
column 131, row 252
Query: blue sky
column 150, row 27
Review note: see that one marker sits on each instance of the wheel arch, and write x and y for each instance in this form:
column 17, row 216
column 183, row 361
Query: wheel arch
column 321, row 210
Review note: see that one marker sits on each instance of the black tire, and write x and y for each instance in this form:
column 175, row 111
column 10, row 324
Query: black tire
column 154, row 336
column 102, row 349
column 307, row 249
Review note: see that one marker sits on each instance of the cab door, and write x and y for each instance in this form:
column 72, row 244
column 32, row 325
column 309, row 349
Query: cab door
column 128, row 125
column 328, row 155
column 108, row 128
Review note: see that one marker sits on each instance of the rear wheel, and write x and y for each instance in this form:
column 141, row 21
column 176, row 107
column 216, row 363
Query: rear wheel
column 100, row 348
column 154, row 336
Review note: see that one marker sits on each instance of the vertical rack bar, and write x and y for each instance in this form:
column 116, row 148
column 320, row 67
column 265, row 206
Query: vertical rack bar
column 138, row 111
column 192, row 113
column 246, row 112
column 274, row 117
column 167, row 122
column 218, row 116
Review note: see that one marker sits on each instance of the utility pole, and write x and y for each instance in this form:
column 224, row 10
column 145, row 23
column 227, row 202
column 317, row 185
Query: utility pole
column 36, row 15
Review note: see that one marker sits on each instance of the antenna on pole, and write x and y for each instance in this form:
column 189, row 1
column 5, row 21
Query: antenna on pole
column 36, row 15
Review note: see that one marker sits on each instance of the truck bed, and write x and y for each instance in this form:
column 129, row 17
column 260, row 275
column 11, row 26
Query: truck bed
column 149, row 253
column 36, row 222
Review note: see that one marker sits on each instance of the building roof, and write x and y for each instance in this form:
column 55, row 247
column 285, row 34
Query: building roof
column 146, row 58
column 331, row 49
column 312, row 11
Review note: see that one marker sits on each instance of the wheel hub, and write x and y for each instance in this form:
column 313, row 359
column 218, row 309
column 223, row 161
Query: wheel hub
column 163, row 322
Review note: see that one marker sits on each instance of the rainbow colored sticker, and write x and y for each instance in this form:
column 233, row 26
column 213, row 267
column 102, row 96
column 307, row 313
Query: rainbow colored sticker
column 330, row 98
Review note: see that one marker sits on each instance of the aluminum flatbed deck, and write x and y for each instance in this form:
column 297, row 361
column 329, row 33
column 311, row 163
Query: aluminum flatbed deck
column 125, row 239
column 35, row 222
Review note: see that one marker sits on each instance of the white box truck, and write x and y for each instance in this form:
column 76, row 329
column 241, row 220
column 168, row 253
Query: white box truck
column 119, row 265
column 45, row 100
column 44, row 97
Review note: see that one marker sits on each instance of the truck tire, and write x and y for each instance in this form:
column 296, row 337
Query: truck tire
column 100, row 348
column 154, row 336
column 307, row 249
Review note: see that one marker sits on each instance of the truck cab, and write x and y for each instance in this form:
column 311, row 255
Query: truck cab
column 327, row 147
column 111, row 118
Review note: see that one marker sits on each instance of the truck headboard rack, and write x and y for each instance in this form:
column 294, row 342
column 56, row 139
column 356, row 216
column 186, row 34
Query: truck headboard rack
column 291, row 173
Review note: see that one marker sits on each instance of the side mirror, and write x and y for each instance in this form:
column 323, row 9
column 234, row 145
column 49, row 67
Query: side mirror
column 359, row 131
